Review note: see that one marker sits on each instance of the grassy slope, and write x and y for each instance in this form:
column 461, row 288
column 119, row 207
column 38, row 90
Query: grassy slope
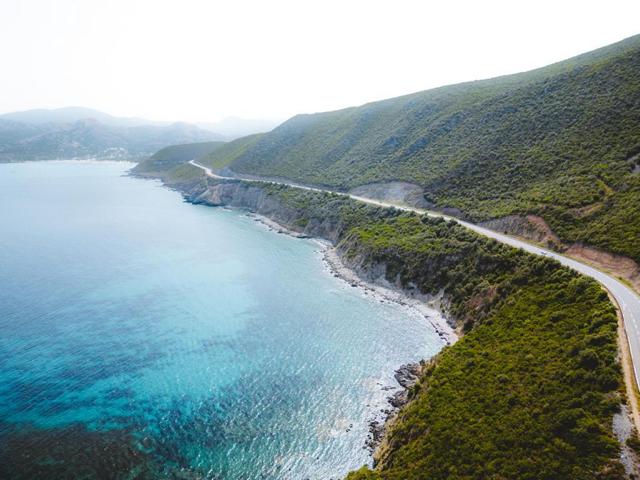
column 170, row 157
column 560, row 141
column 228, row 153
column 529, row 391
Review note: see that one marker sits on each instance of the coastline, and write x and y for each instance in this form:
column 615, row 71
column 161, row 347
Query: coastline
column 428, row 310
column 406, row 375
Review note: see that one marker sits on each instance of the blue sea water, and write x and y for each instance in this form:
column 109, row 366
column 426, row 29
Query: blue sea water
column 142, row 337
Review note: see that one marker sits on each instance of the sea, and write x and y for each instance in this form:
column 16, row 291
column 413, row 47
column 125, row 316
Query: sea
column 145, row 337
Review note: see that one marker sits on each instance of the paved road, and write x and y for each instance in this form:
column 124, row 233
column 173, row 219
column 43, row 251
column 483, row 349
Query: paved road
column 628, row 300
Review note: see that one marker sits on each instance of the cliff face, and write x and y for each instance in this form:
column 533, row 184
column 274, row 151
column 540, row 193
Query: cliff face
column 390, row 268
column 530, row 227
column 252, row 197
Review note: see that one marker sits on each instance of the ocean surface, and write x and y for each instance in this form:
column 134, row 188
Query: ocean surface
column 144, row 337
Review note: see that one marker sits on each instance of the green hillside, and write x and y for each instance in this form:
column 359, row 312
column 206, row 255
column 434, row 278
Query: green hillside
column 175, row 155
column 225, row 155
column 562, row 142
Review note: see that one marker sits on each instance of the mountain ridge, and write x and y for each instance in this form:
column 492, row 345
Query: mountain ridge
column 90, row 138
column 558, row 142
column 229, row 128
column 72, row 114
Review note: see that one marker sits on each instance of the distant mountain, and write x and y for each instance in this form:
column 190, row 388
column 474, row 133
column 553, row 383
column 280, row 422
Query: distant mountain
column 561, row 142
column 46, row 135
column 12, row 132
column 73, row 114
column 42, row 134
column 234, row 127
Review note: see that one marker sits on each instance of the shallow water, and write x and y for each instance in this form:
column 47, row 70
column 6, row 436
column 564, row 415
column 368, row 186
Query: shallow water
column 140, row 335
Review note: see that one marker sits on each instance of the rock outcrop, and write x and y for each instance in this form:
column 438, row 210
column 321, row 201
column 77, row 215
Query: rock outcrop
column 530, row 227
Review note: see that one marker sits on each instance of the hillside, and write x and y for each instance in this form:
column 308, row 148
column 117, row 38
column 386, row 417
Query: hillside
column 221, row 158
column 173, row 156
column 561, row 142
column 91, row 138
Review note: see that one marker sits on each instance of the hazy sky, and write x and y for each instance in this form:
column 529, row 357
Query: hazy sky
column 204, row 60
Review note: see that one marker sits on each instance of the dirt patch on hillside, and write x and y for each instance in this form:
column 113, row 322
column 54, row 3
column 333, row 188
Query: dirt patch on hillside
column 400, row 193
column 530, row 227
column 535, row 229
column 620, row 266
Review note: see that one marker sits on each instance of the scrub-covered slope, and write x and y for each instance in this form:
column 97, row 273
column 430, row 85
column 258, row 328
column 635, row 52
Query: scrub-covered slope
column 562, row 142
column 170, row 157
column 230, row 152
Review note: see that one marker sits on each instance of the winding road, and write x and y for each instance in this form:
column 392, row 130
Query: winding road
column 628, row 301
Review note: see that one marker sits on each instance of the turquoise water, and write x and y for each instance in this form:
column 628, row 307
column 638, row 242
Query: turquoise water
column 144, row 337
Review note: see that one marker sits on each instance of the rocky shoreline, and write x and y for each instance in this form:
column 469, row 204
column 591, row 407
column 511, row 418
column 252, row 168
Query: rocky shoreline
column 382, row 293
column 275, row 226
column 429, row 310
column 406, row 375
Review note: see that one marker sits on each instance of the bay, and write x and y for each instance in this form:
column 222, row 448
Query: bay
column 181, row 341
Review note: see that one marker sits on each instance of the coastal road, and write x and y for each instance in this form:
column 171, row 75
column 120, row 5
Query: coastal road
column 628, row 301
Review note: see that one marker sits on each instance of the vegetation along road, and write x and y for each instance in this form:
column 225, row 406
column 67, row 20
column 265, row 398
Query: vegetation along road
column 628, row 301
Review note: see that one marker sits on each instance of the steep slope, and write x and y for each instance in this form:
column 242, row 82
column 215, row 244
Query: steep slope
column 230, row 152
column 170, row 157
column 562, row 142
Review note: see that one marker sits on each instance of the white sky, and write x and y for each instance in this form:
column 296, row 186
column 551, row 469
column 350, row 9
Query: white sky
column 203, row 60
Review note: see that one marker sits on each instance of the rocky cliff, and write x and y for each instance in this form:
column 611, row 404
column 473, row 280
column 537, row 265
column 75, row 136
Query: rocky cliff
column 254, row 198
